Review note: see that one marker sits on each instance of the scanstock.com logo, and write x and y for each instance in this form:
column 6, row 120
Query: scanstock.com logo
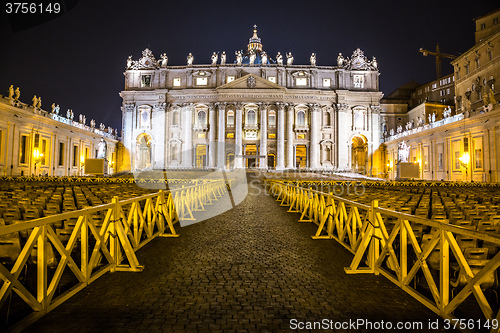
column 189, row 167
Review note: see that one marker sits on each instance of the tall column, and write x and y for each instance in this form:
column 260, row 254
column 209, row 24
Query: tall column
column 212, row 127
column 238, row 136
column 280, row 158
column 289, row 137
column 221, row 151
column 187, row 121
column 314, row 136
column 263, row 135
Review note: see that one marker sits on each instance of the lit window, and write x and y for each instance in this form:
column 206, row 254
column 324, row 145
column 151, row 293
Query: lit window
column 146, row 81
column 230, row 79
column 23, row 147
column 271, row 136
column 301, row 81
column 201, row 135
column 301, row 136
column 272, row 79
column 358, row 81
column 230, row 135
column 201, row 81
column 326, row 83
column 177, row 82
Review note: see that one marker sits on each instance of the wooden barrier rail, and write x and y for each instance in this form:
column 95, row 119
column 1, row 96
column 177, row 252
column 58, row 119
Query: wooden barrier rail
column 387, row 242
column 92, row 248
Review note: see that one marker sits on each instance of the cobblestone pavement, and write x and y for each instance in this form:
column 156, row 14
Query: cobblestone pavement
column 252, row 269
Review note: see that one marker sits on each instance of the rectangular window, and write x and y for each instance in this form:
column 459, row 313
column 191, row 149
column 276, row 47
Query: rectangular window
column 301, row 81
column 201, row 135
column 434, row 85
column 358, row 81
column 201, row 81
column 440, row 161
column 272, row 120
column 301, row 136
column 61, row 153
column 326, row 83
column 271, row 136
column 426, row 158
column 23, row 149
column 146, row 81
column 272, row 79
column 75, row 156
column 230, row 79
column 230, row 135
column 478, row 157
column 457, row 160
column 177, row 82
column 44, row 152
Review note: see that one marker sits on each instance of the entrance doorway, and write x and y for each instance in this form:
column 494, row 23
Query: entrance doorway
column 201, row 156
column 271, row 161
column 359, row 154
column 251, row 161
column 300, row 156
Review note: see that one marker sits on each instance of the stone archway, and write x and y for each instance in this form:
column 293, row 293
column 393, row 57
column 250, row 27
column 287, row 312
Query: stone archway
column 359, row 154
column 143, row 151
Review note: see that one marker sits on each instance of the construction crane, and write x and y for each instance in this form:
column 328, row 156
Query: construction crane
column 438, row 56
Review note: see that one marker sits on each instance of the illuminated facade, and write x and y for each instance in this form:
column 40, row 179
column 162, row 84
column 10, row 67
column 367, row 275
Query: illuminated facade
column 272, row 112
column 37, row 142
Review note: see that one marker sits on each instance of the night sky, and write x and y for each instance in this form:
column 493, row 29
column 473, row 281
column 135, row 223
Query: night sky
column 77, row 60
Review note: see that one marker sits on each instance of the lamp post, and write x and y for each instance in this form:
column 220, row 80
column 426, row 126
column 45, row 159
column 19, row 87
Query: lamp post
column 37, row 155
column 464, row 163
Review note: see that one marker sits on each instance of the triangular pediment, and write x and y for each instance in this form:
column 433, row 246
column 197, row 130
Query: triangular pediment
column 251, row 81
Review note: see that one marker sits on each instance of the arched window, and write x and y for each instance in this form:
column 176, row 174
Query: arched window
column 272, row 118
column 230, row 118
column 251, row 117
column 202, row 118
column 175, row 118
column 301, row 118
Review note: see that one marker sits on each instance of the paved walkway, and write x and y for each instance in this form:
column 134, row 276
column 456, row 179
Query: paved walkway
column 253, row 268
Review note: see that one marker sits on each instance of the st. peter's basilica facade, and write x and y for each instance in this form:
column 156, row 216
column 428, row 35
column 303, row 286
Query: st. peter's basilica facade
column 253, row 112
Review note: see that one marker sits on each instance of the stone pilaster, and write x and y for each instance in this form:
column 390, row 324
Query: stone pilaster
column 187, row 122
column 221, row 153
column 314, row 136
column 212, row 127
column 290, row 137
column 263, row 135
column 280, row 158
column 239, row 136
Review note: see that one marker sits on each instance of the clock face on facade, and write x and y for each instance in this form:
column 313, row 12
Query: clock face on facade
column 358, row 63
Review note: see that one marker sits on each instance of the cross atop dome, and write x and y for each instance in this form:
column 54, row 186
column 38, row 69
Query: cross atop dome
column 254, row 43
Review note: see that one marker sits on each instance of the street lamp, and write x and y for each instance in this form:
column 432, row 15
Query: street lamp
column 464, row 162
column 37, row 155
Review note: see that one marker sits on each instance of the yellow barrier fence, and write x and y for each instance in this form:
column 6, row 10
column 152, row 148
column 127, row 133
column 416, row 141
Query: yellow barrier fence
column 93, row 241
column 434, row 267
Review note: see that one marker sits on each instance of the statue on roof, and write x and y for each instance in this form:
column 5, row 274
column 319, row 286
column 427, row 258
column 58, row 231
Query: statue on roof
column 39, row 103
column 252, row 57
column 92, row 123
column 264, row 57
column 374, row 62
column 53, row 107
column 57, row 109
column 164, row 60
column 129, row 62
column 17, row 93
column 313, row 59
column 492, row 97
column 239, row 58
column 35, row 101
column 340, row 60
column 101, row 149
column 223, row 58
column 279, row 59
column 214, row 59
column 11, row 93
column 190, row 59
column 289, row 59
